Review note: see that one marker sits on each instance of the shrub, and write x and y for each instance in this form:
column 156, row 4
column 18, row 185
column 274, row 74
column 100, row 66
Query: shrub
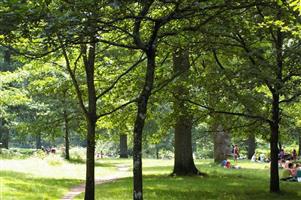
column 78, row 154
column 16, row 153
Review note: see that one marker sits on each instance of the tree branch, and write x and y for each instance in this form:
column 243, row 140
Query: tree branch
column 229, row 113
column 117, row 108
column 120, row 76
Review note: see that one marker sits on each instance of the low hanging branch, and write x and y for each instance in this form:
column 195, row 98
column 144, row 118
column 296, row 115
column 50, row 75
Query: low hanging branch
column 117, row 108
column 230, row 113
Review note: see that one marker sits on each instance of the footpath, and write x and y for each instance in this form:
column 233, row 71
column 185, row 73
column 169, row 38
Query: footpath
column 76, row 190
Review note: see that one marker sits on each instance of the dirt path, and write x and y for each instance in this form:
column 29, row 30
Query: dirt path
column 76, row 190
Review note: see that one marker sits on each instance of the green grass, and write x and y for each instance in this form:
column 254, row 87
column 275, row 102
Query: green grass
column 47, row 179
column 21, row 186
column 51, row 177
column 250, row 182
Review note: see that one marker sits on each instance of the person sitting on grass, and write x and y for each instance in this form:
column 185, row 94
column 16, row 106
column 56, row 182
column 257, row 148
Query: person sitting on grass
column 227, row 165
column 289, row 173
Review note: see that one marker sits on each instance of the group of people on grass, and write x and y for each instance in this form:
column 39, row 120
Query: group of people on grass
column 235, row 153
column 49, row 150
column 291, row 171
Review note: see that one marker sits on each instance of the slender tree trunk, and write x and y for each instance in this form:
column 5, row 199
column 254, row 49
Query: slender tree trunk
column 38, row 141
column 139, row 124
column 251, row 145
column 90, row 163
column 183, row 159
column 274, row 174
column 123, row 145
column 299, row 144
column 157, row 151
column 3, row 129
column 67, row 143
column 91, row 117
column 4, row 134
column 274, row 125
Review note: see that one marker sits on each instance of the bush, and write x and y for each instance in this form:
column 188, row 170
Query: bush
column 16, row 153
column 78, row 154
column 40, row 154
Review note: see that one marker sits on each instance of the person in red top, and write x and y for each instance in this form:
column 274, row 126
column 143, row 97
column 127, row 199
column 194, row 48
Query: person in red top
column 235, row 153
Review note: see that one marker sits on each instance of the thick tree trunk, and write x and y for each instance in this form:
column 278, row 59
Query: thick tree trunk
column 183, row 163
column 67, row 143
column 183, row 159
column 221, row 140
column 123, row 145
column 251, row 145
column 139, row 124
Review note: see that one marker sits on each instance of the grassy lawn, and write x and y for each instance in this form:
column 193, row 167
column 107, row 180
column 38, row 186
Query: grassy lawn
column 46, row 179
column 22, row 186
column 51, row 177
column 250, row 182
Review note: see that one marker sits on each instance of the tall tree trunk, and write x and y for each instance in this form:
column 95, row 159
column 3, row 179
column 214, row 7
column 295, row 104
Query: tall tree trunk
column 38, row 141
column 91, row 117
column 67, row 143
column 274, row 124
column 90, row 163
column 139, row 124
column 183, row 159
column 123, row 145
column 251, row 145
column 4, row 139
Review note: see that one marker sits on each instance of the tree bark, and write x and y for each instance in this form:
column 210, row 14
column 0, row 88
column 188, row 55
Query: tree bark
column 221, row 140
column 123, row 146
column 251, row 145
column 91, row 118
column 299, row 144
column 4, row 134
column 139, row 124
column 157, row 151
column 274, row 124
column 183, row 159
column 67, row 143
column 38, row 141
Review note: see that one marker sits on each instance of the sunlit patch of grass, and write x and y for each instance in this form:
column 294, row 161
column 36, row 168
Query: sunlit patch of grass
column 20, row 186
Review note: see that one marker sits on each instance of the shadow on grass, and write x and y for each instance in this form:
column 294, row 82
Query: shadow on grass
column 236, row 186
column 22, row 186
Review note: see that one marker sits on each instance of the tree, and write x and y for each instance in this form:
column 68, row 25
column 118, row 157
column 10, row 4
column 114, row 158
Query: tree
column 268, row 64
column 183, row 161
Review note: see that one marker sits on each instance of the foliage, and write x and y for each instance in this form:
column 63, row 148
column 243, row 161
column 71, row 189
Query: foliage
column 16, row 153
